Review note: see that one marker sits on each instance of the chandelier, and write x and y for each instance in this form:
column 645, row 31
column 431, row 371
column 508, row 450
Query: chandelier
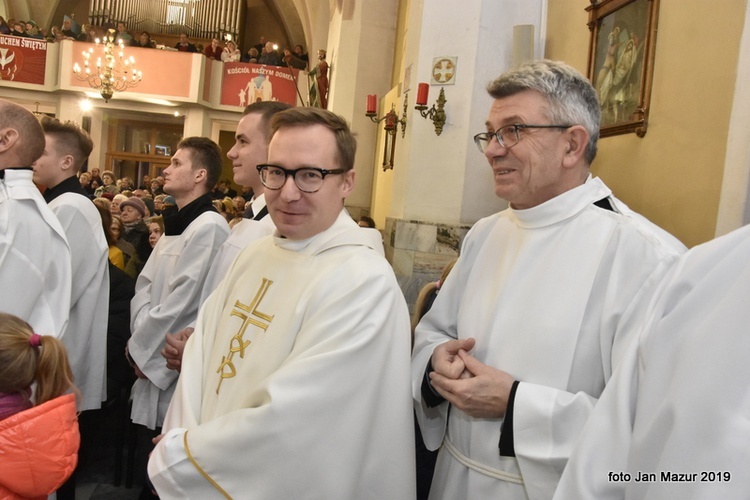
column 113, row 72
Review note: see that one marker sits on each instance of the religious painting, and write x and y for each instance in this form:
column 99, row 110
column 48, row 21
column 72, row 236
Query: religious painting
column 621, row 60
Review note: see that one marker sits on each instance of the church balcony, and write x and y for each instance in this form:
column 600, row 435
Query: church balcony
column 170, row 78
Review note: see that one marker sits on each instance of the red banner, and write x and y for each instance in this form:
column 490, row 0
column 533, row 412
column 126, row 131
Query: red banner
column 247, row 83
column 22, row 59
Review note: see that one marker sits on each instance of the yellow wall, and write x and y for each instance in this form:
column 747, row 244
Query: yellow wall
column 673, row 175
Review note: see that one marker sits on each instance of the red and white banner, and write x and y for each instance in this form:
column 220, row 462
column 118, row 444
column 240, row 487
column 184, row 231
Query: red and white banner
column 247, row 83
column 22, row 59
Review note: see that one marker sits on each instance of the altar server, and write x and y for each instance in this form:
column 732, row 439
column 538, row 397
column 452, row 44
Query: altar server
column 34, row 254
column 168, row 288
column 526, row 330
column 67, row 148
column 249, row 150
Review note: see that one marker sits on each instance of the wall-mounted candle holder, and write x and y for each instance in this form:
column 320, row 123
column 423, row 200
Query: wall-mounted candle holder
column 391, row 125
column 436, row 114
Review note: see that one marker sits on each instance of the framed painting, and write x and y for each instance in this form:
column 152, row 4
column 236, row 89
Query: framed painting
column 621, row 62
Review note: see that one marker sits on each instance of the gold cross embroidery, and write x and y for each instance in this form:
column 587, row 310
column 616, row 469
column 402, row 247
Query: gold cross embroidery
column 237, row 344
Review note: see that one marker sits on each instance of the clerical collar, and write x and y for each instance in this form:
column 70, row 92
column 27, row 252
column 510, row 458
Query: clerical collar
column 2, row 172
column 69, row 185
column 562, row 206
column 177, row 220
column 257, row 209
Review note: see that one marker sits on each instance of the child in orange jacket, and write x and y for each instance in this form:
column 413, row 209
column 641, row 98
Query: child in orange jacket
column 38, row 442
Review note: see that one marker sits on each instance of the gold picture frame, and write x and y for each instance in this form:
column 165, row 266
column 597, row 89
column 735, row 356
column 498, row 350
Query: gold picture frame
column 621, row 62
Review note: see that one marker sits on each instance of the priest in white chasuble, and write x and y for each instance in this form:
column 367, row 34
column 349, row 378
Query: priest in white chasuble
column 295, row 383
column 526, row 330
column 673, row 421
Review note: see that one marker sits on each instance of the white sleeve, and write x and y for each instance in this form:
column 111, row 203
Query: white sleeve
column 439, row 325
column 604, row 441
column 547, row 422
column 151, row 322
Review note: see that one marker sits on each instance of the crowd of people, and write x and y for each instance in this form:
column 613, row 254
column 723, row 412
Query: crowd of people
column 265, row 52
column 574, row 350
column 69, row 30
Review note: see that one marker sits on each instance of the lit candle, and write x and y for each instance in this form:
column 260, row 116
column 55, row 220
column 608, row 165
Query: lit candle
column 372, row 103
column 422, row 92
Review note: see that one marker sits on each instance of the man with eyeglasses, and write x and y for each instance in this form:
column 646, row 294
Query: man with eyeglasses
column 533, row 318
column 295, row 383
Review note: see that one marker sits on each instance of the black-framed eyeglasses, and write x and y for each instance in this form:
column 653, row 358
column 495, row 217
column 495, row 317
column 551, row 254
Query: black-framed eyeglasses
column 508, row 136
column 307, row 179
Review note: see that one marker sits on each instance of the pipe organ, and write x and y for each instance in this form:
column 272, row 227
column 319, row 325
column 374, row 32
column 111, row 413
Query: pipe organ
column 198, row 18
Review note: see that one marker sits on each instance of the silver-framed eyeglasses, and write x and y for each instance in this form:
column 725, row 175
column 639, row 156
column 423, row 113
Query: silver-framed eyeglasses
column 307, row 179
column 508, row 136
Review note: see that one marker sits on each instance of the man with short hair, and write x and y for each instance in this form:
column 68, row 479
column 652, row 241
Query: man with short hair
column 278, row 394
column 168, row 288
column 123, row 35
column 67, row 148
column 35, row 269
column 250, row 149
column 542, row 302
column 184, row 44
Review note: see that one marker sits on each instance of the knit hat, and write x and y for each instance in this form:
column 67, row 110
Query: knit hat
column 136, row 203
column 168, row 200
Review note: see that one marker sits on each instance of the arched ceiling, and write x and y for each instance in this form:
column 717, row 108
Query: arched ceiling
column 304, row 21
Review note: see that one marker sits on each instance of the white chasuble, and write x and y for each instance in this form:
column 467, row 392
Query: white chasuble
column 295, row 383
column 550, row 294
column 674, row 422
column 35, row 268
column 85, row 338
column 166, row 299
